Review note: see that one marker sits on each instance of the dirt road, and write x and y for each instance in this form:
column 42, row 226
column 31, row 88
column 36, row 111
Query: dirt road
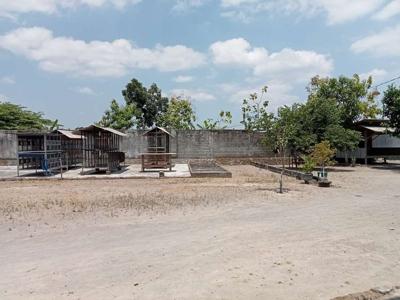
column 237, row 240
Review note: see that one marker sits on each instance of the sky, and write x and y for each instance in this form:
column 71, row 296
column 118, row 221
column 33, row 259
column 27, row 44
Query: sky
column 70, row 58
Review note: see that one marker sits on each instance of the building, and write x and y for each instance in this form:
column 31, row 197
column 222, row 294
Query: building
column 377, row 142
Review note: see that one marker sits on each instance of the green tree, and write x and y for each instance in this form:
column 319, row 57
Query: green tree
column 351, row 96
column 254, row 110
column 119, row 117
column 391, row 108
column 17, row 117
column 277, row 138
column 150, row 103
column 179, row 115
column 225, row 118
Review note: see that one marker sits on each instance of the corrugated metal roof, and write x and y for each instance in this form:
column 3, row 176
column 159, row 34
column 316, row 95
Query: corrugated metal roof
column 91, row 127
column 378, row 129
column 69, row 134
column 160, row 128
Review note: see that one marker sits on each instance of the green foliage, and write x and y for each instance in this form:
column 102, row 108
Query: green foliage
column 391, row 107
column 323, row 153
column 225, row 118
column 179, row 115
column 254, row 110
column 350, row 95
column 341, row 138
column 17, row 117
column 119, row 116
column 309, row 164
column 149, row 103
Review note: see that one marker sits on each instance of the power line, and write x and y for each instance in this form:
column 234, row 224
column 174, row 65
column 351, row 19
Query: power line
column 386, row 82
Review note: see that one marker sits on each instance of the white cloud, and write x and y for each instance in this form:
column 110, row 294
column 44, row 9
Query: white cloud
column 279, row 93
column 183, row 79
column 195, row 95
column 287, row 63
column 184, row 5
column 96, row 58
column 11, row 8
column 384, row 43
column 84, row 90
column 7, row 80
column 376, row 74
column 337, row 11
column 390, row 10
column 4, row 98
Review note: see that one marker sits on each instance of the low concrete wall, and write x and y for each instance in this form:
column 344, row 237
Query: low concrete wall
column 188, row 144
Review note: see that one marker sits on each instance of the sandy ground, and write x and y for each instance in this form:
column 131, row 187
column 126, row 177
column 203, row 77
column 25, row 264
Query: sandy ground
column 213, row 239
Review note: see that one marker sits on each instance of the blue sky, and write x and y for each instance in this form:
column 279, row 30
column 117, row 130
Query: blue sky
column 70, row 58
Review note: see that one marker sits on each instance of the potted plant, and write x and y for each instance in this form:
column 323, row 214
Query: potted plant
column 308, row 168
column 322, row 155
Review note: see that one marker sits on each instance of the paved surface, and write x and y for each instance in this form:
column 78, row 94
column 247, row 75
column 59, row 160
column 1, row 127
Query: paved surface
column 130, row 171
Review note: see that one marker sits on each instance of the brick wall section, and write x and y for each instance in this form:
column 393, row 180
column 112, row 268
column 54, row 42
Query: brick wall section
column 188, row 144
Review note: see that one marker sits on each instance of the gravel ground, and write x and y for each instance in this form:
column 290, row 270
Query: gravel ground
column 200, row 238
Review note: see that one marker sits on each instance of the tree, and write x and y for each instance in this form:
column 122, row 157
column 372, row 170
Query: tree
column 343, row 139
column 351, row 96
column 119, row 116
column 254, row 110
column 179, row 115
column 150, row 103
column 225, row 118
column 300, row 137
column 323, row 154
column 17, row 117
column 277, row 139
column 391, row 108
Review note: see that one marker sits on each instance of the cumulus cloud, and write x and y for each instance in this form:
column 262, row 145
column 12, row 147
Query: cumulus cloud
column 384, row 43
column 7, row 80
column 390, row 10
column 376, row 74
column 84, row 90
column 338, row 11
column 287, row 63
column 184, row 5
column 195, row 95
column 11, row 8
column 96, row 58
column 183, row 79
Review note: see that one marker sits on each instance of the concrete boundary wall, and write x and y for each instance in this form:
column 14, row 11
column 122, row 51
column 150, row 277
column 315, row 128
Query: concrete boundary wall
column 187, row 144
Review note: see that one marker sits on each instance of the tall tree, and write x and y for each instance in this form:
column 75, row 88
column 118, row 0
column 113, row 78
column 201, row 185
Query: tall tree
column 391, row 107
column 17, row 117
column 119, row 116
column 254, row 110
column 351, row 95
column 179, row 115
column 149, row 102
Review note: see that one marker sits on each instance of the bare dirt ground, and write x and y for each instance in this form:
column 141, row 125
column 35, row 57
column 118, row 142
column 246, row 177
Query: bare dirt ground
column 200, row 238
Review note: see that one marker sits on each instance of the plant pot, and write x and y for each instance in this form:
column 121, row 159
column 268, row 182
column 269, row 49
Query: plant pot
column 324, row 182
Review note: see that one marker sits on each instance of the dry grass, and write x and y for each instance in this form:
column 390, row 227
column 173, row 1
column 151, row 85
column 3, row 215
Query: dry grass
column 24, row 200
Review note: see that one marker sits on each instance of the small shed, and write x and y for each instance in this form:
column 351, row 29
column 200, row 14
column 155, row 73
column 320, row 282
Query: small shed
column 158, row 155
column 101, row 148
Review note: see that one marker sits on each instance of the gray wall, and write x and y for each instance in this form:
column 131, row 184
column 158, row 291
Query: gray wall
column 8, row 147
column 202, row 144
column 187, row 144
